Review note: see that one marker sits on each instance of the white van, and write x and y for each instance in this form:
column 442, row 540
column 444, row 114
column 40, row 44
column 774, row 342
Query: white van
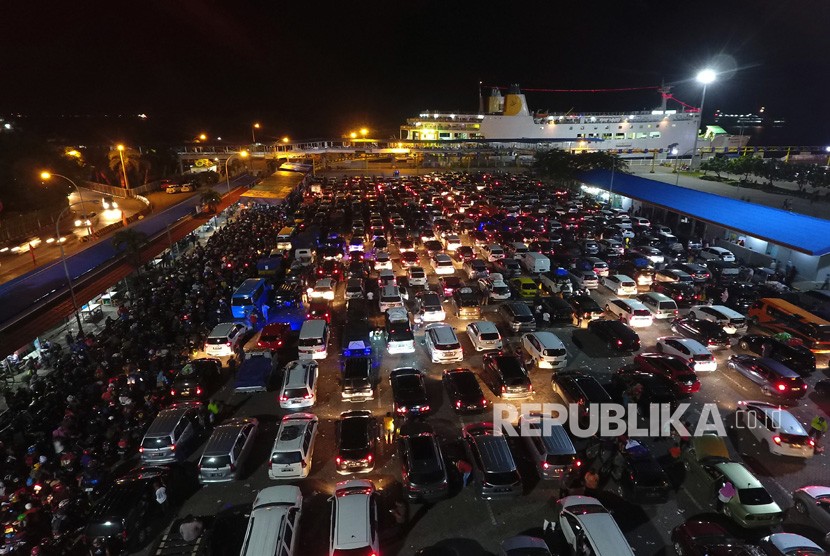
column 442, row 344
column 732, row 321
column 284, row 239
column 293, row 448
column 661, row 306
column 534, row 263
column 314, row 339
column 630, row 311
column 546, row 349
column 275, row 517
column 588, row 527
column 389, row 298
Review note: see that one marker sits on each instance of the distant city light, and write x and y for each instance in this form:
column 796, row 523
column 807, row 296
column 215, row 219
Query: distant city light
column 706, row 76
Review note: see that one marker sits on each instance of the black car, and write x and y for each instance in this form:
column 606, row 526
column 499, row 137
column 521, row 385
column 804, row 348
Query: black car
column 464, row 391
column 739, row 295
column 576, row 387
column 793, row 355
column 584, row 308
column 358, row 381
column 357, row 269
column 127, row 511
column 288, row 294
column 698, row 272
column 409, row 392
column 197, row 380
column 357, row 310
column 559, row 309
column 683, row 294
column 708, row 333
column 423, row 471
column 508, row 268
column 356, row 436
column 506, row 375
column 616, row 334
column 652, row 388
column 641, row 476
column 465, row 253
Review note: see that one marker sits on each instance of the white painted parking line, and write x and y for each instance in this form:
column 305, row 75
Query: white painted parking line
column 490, row 512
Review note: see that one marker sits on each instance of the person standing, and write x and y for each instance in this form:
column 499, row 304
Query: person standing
column 818, row 426
column 389, row 428
column 465, row 469
column 160, row 492
column 725, row 494
column 546, row 319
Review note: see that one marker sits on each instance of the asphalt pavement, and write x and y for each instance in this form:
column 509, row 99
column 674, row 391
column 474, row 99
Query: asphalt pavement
column 477, row 526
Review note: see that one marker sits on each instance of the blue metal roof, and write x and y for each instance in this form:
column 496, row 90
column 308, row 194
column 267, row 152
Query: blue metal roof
column 799, row 232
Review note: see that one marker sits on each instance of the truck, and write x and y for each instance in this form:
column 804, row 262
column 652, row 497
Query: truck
column 270, row 266
column 534, row 263
column 557, row 282
column 257, row 369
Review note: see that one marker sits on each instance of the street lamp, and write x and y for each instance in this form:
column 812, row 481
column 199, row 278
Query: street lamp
column 363, row 132
column 705, row 77
column 241, row 154
column 285, row 139
column 47, row 175
column 253, row 132
column 123, row 168
column 65, row 267
column 353, row 135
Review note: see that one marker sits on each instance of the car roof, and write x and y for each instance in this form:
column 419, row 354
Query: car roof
column 783, row 420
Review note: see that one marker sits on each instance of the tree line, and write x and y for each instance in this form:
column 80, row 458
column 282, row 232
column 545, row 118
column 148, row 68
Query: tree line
column 815, row 176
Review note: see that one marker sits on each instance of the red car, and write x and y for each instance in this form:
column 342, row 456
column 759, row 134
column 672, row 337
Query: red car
column 274, row 336
column 675, row 369
column 319, row 309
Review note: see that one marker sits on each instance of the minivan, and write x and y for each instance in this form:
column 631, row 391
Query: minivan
column 534, row 263
column 589, row 528
column 172, row 434
column 732, row 321
column 227, row 450
column 545, row 349
column 442, row 344
column 390, row 297
column 354, row 519
column 620, row 284
column 518, row 316
column 284, row 239
column 661, row 306
column 494, row 471
column 631, row 311
column 293, row 447
column 314, row 339
column 275, row 518
column 550, row 448
column 224, row 339
column 299, row 384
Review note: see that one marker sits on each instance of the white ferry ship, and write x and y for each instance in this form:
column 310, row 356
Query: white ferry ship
column 508, row 119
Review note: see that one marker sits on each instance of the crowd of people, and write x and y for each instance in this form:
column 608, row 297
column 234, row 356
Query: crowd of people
column 79, row 421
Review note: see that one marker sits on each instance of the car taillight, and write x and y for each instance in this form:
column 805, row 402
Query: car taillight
column 141, row 449
column 270, row 465
column 172, row 392
column 458, row 404
column 198, row 390
column 307, row 397
column 233, row 468
column 303, row 463
column 483, row 401
column 578, row 463
column 811, row 442
column 619, row 342
column 776, row 439
column 675, row 312
column 173, row 447
column 782, row 387
column 425, row 408
column 369, row 458
column 545, row 465
column 337, row 460
column 503, row 389
column 228, row 344
column 283, row 398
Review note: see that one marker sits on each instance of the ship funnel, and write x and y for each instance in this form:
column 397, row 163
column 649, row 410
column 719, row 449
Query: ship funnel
column 495, row 102
column 515, row 103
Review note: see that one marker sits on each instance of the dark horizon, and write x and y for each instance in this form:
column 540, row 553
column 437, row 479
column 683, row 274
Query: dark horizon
column 194, row 67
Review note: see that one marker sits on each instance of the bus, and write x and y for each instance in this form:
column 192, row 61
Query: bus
column 782, row 316
column 250, row 296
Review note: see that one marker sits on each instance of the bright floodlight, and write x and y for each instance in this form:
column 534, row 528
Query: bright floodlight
column 706, row 76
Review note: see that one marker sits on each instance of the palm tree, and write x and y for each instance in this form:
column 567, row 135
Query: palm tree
column 132, row 162
column 211, row 198
column 133, row 243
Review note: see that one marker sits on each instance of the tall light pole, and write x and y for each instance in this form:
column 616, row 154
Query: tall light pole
column 241, row 154
column 704, row 77
column 47, row 175
column 254, row 127
column 123, row 168
column 59, row 239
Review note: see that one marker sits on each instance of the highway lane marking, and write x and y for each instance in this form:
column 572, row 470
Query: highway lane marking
column 490, row 513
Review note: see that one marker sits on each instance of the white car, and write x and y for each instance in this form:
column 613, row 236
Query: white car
column 417, row 276
column 652, row 254
column 484, row 335
column 732, row 321
column 452, row 242
column 354, row 519
column 323, row 289
column 390, row 297
column 382, row 261
column 387, row 278
column 299, row 384
column 492, row 252
column 585, row 279
column 495, row 288
column 717, row 254
column 546, row 349
column 631, row 311
column 775, row 428
column 429, row 305
column 620, row 284
column 695, row 354
column 293, row 447
column 442, row 263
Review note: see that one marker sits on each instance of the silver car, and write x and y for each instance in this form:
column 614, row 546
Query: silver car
column 814, row 502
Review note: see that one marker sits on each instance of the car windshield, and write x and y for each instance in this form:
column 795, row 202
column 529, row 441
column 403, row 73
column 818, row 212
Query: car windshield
column 295, row 392
column 286, row 458
column 554, row 352
column 214, row 462
column 757, row 496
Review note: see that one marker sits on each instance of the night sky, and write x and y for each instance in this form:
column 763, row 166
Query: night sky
column 308, row 71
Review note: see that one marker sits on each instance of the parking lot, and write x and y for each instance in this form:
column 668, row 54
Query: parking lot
column 469, row 524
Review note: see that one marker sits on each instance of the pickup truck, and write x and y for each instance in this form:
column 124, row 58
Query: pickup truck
column 556, row 282
column 256, row 371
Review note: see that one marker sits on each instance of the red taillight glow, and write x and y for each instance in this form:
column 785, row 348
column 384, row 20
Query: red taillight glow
column 283, row 398
column 782, row 387
column 458, row 404
column 811, row 443
column 369, row 458
column 173, row 447
column 337, row 460
column 578, row 463
column 545, row 465
column 776, row 439
column 198, row 390
column 172, row 392
column 141, row 449
column 619, row 342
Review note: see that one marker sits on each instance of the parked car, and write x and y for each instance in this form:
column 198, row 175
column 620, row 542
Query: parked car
column 354, row 519
column 776, row 429
column 274, row 336
column 576, row 387
column 641, row 476
column 484, row 335
column 615, row 334
column 409, row 393
column 791, row 354
column 681, row 293
column 653, row 388
column 356, row 438
column 708, row 333
column 291, row 455
column 464, row 391
column 789, row 544
column 774, row 379
column 697, row 537
column 423, row 471
column 683, row 378
column 813, row 502
column 198, row 379
column 695, row 354
column 494, row 474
